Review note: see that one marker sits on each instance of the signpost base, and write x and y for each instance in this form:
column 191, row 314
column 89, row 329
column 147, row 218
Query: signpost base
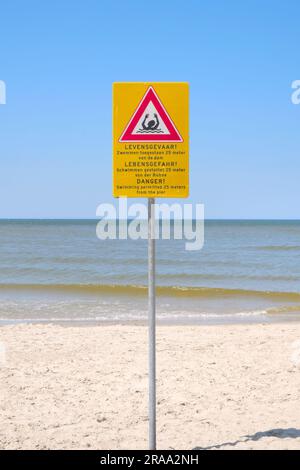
column 152, row 324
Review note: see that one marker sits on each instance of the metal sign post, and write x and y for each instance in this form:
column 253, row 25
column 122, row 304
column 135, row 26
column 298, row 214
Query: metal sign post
column 152, row 324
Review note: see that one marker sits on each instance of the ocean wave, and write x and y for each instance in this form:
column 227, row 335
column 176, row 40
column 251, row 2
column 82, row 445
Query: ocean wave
column 284, row 309
column 172, row 317
column 140, row 290
column 278, row 247
column 222, row 277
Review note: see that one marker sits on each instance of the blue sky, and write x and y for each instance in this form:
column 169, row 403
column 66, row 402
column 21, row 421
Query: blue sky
column 59, row 60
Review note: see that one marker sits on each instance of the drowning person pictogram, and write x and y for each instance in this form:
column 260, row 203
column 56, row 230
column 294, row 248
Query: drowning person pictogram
column 151, row 127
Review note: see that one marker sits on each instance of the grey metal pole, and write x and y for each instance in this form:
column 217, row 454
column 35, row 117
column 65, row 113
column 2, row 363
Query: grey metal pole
column 152, row 324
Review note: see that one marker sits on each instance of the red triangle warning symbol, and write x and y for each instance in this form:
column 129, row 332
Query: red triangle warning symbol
column 150, row 122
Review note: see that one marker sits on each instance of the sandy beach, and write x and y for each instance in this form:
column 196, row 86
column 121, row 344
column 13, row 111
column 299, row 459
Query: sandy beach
column 227, row 387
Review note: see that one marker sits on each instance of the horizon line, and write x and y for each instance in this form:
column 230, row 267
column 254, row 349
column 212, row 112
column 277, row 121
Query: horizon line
column 132, row 218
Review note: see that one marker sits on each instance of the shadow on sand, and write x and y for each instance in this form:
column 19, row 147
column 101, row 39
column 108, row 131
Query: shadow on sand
column 291, row 433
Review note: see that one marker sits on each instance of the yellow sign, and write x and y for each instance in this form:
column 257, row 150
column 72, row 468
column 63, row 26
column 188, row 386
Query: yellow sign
column 151, row 139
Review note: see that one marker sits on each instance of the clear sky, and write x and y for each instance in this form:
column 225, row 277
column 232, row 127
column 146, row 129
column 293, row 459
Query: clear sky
column 60, row 57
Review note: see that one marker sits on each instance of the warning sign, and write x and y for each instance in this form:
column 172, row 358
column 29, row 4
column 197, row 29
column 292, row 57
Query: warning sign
column 151, row 122
column 150, row 139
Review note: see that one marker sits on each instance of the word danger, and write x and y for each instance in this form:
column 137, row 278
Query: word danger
column 2, row 92
column 296, row 94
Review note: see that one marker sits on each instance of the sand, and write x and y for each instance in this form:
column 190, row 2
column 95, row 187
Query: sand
column 86, row 387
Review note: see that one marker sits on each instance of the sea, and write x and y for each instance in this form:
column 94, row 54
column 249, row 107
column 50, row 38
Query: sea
column 59, row 271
